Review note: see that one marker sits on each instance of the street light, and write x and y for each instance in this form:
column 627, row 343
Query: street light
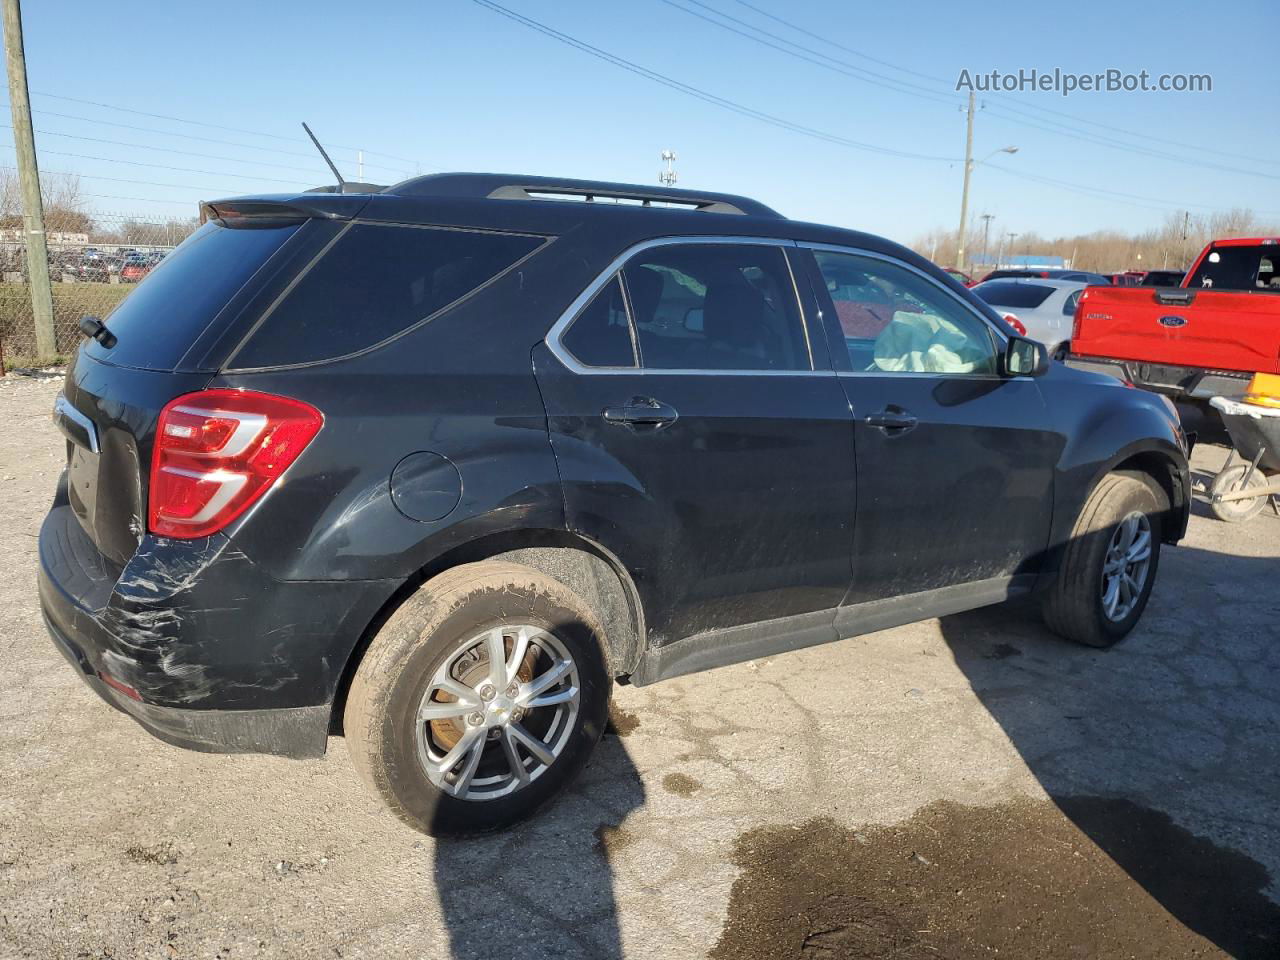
column 969, row 164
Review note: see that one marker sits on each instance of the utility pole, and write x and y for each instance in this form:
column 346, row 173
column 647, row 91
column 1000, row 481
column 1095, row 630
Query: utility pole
column 986, row 231
column 360, row 166
column 964, row 196
column 1012, row 237
column 1186, row 223
column 29, row 181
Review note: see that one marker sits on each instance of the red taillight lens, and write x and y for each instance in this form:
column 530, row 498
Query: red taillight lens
column 1019, row 327
column 217, row 451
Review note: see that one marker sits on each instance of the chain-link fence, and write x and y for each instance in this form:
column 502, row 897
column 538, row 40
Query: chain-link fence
column 93, row 266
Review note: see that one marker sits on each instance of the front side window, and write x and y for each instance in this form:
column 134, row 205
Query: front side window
column 716, row 307
column 894, row 320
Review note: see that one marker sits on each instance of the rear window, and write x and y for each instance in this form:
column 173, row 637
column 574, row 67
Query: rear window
column 1239, row 268
column 999, row 293
column 376, row 281
column 158, row 322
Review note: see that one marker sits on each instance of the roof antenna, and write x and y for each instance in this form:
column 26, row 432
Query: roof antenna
column 341, row 183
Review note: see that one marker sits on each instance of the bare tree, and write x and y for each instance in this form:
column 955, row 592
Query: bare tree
column 1170, row 246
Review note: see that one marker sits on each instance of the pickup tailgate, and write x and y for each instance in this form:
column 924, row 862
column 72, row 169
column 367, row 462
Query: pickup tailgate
column 1213, row 330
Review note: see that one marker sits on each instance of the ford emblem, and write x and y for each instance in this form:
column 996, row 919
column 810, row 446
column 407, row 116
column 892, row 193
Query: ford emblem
column 1173, row 321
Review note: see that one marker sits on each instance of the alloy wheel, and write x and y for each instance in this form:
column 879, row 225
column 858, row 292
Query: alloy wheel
column 498, row 712
column 1126, row 566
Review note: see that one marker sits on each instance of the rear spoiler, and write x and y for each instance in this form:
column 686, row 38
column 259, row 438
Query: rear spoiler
column 292, row 208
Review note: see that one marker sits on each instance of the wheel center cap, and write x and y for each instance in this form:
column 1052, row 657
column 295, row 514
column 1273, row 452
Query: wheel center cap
column 499, row 711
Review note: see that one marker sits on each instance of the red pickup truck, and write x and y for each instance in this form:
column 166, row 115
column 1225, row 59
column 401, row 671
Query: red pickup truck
column 1203, row 339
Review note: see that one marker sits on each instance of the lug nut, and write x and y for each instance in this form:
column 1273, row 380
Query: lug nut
column 487, row 692
column 475, row 719
column 513, row 690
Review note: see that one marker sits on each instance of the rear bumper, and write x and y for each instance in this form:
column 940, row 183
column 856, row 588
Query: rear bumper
column 197, row 644
column 1181, row 383
column 298, row 732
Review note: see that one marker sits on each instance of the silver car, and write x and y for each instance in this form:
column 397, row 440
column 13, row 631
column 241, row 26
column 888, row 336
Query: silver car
column 1046, row 308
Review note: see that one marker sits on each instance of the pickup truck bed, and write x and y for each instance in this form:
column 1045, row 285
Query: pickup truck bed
column 1204, row 339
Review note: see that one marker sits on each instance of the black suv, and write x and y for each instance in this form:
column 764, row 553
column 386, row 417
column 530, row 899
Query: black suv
column 433, row 467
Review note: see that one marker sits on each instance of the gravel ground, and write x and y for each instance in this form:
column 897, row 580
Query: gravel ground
column 953, row 788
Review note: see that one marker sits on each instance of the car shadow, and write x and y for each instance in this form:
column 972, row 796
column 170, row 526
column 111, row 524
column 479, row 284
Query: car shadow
column 544, row 888
column 1164, row 750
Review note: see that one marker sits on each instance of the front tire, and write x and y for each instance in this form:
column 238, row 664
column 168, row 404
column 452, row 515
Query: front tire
column 1109, row 566
column 480, row 699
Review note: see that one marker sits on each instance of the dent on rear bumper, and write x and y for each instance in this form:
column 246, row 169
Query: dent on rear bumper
column 298, row 732
column 221, row 656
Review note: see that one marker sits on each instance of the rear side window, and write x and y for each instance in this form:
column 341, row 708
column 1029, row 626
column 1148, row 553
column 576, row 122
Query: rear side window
column 160, row 320
column 1028, row 296
column 716, row 307
column 376, row 281
column 601, row 334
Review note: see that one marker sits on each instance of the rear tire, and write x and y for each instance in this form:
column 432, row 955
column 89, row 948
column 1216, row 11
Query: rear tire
column 1230, row 480
column 431, row 722
column 1105, row 580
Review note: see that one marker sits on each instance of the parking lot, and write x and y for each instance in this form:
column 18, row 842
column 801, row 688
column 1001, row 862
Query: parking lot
column 964, row 787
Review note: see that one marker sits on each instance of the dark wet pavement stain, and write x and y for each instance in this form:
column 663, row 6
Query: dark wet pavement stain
column 681, row 784
column 1109, row 879
column 611, row 839
column 163, row 854
column 621, row 723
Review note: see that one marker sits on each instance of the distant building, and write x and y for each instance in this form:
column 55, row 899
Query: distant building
column 53, row 238
column 1023, row 261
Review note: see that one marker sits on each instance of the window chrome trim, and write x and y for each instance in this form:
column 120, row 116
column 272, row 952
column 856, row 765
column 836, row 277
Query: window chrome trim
column 1001, row 336
column 570, row 314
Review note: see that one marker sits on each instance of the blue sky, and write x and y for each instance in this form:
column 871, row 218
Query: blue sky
column 451, row 85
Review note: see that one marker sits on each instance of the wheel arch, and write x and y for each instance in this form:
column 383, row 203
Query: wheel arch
column 585, row 567
column 1159, row 467
column 1158, row 462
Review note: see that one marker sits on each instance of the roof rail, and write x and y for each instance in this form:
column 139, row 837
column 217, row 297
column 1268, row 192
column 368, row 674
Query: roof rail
column 501, row 186
column 349, row 186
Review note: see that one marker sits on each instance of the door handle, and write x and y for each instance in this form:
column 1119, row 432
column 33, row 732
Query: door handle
column 892, row 420
column 642, row 412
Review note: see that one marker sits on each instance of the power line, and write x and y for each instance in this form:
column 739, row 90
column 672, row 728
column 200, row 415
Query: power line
column 160, row 166
column 1113, row 144
column 809, row 55
column 698, row 93
column 191, row 136
column 819, row 59
column 185, row 153
column 838, row 46
column 1003, row 101
column 142, row 183
column 212, row 126
column 1116, row 195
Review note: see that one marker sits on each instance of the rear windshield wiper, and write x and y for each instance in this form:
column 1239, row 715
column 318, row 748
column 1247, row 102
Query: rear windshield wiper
column 95, row 329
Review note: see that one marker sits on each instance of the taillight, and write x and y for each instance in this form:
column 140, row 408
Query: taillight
column 218, row 451
column 1012, row 320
